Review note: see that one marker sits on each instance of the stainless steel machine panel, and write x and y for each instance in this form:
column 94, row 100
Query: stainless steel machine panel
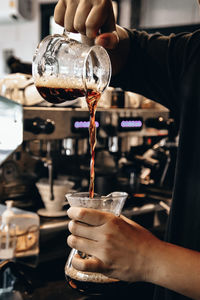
column 62, row 120
column 11, row 127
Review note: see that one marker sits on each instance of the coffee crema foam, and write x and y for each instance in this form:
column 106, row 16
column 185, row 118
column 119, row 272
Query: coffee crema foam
column 62, row 82
column 87, row 276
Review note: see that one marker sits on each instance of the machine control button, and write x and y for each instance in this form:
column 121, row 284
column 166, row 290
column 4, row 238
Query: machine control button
column 39, row 126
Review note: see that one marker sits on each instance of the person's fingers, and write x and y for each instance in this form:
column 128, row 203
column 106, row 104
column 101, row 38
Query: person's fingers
column 89, row 18
column 81, row 15
column 69, row 15
column 59, row 12
column 88, row 215
column 109, row 24
column 82, row 244
column 108, row 40
column 82, row 230
column 100, row 19
column 92, row 264
column 94, row 21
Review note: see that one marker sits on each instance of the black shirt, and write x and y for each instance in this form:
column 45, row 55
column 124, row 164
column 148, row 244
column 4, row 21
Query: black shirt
column 167, row 70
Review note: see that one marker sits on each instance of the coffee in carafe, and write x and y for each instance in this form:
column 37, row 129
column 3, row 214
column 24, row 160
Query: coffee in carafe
column 65, row 69
column 57, row 94
column 98, row 284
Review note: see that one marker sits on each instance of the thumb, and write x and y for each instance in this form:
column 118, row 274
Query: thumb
column 108, row 40
column 91, row 264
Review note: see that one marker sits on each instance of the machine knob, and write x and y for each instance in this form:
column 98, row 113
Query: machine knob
column 160, row 123
column 157, row 123
column 38, row 126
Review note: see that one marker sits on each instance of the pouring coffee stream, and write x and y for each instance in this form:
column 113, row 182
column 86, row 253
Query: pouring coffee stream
column 92, row 101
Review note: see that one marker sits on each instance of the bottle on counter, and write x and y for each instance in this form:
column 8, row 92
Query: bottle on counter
column 19, row 237
column 7, row 233
column 7, row 247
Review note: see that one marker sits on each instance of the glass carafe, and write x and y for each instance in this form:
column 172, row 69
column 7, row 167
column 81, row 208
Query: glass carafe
column 91, row 283
column 65, row 69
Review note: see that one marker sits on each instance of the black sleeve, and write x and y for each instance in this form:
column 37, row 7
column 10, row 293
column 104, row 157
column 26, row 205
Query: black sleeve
column 157, row 64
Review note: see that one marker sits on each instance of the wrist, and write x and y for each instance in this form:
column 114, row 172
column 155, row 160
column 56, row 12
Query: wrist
column 119, row 54
column 152, row 265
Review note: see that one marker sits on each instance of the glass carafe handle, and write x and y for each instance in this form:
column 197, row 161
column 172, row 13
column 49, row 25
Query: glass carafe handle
column 83, row 38
column 66, row 34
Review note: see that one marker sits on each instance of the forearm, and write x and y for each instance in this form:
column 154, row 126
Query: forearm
column 176, row 268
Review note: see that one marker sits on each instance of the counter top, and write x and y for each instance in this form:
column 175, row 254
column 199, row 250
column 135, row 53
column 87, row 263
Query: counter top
column 59, row 290
column 56, row 290
column 49, row 283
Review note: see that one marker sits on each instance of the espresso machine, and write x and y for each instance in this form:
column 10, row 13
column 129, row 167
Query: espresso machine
column 58, row 137
column 143, row 143
column 55, row 144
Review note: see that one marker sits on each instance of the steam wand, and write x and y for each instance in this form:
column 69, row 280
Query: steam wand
column 49, row 163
